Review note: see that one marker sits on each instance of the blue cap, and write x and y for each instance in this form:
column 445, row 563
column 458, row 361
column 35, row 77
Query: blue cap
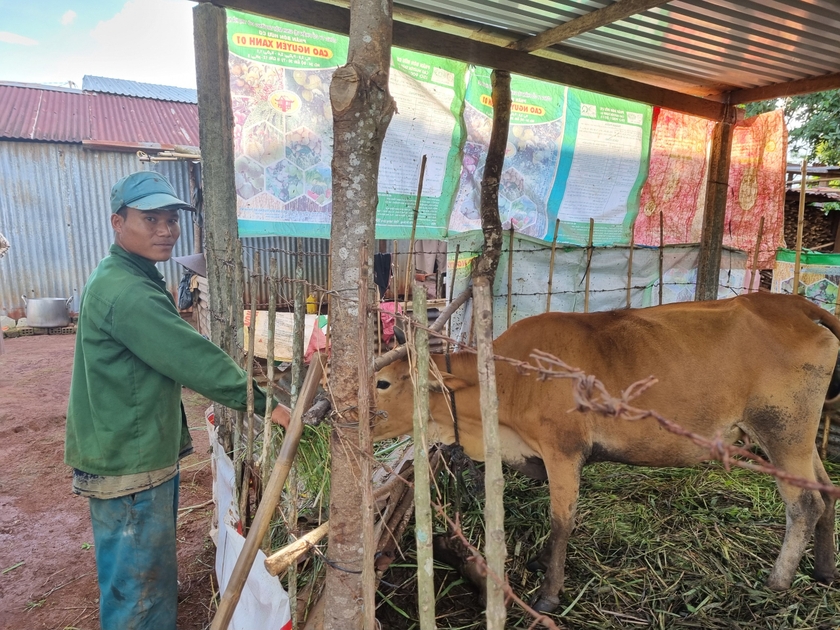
column 145, row 190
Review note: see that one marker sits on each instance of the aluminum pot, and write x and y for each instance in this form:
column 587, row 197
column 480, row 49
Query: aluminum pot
column 47, row 312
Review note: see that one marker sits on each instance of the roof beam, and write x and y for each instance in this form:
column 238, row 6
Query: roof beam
column 782, row 90
column 337, row 19
column 614, row 12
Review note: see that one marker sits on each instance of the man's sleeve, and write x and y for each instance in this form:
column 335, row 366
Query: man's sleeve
column 150, row 328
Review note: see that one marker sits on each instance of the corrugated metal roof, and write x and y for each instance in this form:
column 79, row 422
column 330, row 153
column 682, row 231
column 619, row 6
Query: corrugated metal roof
column 101, row 120
column 711, row 46
column 122, row 87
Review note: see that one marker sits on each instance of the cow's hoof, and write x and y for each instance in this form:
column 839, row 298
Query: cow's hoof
column 545, row 603
column 828, row 578
column 535, row 565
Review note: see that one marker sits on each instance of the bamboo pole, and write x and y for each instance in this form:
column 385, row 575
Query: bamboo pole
column 268, row 450
column 452, row 290
column 262, row 519
column 551, row 265
column 588, row 272
column 395, row 274
column 248, row 458
column 630, row 263
column 409, row 270
column 800, row 221
column 365, row 405
column 754, row 267
column 661, row 254
column 510, row 276
column 286, row 557
column 422, row 492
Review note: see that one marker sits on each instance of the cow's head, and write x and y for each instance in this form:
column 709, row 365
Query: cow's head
column 395, row 398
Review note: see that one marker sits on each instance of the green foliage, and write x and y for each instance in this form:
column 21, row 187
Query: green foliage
column 813, row 124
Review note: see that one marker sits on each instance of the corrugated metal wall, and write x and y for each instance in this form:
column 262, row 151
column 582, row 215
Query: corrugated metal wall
column 54, row 210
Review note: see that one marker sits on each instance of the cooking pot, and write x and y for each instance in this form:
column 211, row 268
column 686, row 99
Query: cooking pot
column 47, row 312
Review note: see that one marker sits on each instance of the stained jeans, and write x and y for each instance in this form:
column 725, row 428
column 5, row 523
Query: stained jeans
column 134, row 538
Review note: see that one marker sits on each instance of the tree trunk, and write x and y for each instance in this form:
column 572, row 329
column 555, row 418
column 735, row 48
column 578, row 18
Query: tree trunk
column 484, row 275
column 362, row 108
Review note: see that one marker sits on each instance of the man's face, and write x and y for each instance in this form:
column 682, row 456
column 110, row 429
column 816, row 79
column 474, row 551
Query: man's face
column 148, row 233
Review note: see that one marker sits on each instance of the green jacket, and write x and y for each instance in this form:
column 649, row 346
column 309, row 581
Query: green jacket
column 133, row 354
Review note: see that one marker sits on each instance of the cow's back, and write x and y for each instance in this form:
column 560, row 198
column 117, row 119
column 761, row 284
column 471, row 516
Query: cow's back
column 720, row 365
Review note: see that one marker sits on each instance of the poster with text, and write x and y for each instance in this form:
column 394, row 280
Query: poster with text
column 280, row 75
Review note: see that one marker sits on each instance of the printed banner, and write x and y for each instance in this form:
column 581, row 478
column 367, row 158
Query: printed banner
column 280, row 75
column 819, row 276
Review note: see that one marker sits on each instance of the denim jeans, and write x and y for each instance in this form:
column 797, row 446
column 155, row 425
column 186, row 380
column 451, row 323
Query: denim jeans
column 136, row 564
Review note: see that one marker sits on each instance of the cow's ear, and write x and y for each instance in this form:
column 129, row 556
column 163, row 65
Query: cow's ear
column 449, row 381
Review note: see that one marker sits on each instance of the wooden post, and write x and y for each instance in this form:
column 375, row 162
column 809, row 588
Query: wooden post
column 551, row 265
column 510, row 276
column 800, row 222
column 268, row 448
column 588, row 271
column 754, row 268
column 410, row 267
column 249, row 403
column 419, row 355
column 218, row 183
column 452, row 290
column 484, row 273
column 630, row 262
column 714, row 213
column 662, row 257
column 362, row 109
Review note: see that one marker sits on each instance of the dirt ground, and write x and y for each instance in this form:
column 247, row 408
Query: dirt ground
column 47, row 568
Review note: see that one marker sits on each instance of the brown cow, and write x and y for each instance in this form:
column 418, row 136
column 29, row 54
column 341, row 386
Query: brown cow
column 757, row 365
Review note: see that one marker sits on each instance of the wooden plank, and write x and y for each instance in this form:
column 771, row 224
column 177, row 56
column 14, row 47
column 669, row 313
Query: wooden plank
column 714, row 213
column 791, row 88
column 614, row 12
column 284, row 337
column 337, row 19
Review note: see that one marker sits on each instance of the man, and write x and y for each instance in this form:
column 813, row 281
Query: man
column 126, row 426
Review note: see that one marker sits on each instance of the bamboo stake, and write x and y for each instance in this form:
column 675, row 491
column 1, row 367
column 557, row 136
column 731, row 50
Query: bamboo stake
column 588, row 272
column 411, row 266
column 365, row 406
column 826, row 429
column 661, row 254
column 268, row 449
column 422, row 493
column 754, row 267
column 630, row 262
column 248, row 459
column 452, row 290
column 551, row 265
column 262, row 519
column 510, row 275
column 286, row 557
column 799, row 225
column 395, row 274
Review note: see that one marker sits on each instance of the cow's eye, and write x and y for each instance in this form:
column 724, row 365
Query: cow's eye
column 382, row 384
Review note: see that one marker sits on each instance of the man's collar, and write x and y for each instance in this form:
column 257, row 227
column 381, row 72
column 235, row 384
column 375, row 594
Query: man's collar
column 144, row 264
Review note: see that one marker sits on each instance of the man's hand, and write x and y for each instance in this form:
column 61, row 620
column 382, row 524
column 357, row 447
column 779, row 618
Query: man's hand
column 281, row 415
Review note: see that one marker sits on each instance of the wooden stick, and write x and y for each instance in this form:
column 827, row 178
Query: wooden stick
column 754, row 267
column 588, row 272
column 409, row 270
column 452, row 290
column 422, row 506
column 510, row 275
column 249, row 403
column 661, row 255
column 551, row 265
column 630, row 262
column 799, row 225
column 268, row 436
column 826, row 429
column 270, row 497
column 281, row 560
column 395, row 288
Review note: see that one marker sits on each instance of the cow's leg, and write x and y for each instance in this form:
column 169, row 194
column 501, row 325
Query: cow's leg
column 825, row 569
column 803, row 508
column 563, row 484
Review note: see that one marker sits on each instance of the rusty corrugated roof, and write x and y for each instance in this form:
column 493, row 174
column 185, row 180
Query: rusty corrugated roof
column 30, row 112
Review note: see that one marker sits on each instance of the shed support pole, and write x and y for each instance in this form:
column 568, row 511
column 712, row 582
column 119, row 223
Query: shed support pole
column 217, row 175
column 714, row 213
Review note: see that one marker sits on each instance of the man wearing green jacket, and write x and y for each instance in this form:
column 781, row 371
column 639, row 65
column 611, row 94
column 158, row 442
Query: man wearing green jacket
column 126, row 427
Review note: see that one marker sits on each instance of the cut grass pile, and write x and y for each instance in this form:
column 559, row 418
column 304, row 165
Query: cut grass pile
column 653, row 548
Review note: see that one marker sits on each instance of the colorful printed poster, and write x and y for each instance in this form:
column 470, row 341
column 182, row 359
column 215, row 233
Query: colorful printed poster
column 603, row 165
column 280, row 77
column 531, row 158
